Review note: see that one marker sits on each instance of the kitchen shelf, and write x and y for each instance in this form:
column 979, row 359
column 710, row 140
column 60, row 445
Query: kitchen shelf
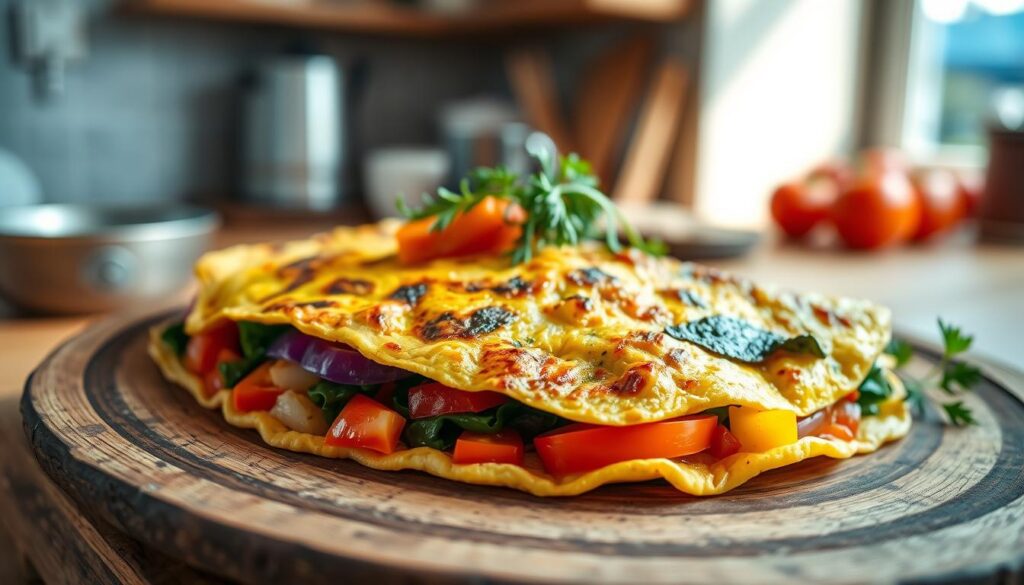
column 381, row 17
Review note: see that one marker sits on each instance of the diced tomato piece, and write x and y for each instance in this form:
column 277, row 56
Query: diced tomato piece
column 583, row 447
column 723, row 443
column 202, row 349
column 433, row 399
column 368, row 424
column 503, row 447
column 492, row 226
column 212, row 383
column 853, row 396
column 256, row 391
column 761, row 430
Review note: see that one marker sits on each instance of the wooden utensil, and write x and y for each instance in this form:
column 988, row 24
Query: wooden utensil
column 940, row 504
column 531, row 74
column 606, row 100
column 643, row 172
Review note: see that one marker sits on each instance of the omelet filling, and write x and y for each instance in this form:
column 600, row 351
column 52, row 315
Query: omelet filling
column 328, row 390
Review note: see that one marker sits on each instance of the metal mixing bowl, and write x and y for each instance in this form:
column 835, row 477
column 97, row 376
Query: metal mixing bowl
column 86, row 258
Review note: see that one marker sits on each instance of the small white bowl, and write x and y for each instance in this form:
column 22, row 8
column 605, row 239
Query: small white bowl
column 408, row 172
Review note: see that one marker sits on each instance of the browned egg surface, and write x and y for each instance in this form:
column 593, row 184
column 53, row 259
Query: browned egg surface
column 579, row 332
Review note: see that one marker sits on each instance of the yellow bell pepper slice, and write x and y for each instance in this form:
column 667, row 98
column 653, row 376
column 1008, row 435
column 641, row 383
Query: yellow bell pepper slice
column 761, row 430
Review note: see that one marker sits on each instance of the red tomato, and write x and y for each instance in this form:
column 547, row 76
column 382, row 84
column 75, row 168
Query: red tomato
column 878, row 210
column 582, row 447
column 367, row 424
column 942, row 204
column 213, row 382
column 433, row 399
column 492, row 226
column 971, row 188
column 502, row 447
column 203, row 349
column 798, row 207
column 256, row 391
column 723, row 443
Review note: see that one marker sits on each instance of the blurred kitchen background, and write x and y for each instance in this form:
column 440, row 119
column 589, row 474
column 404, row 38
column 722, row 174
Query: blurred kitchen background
column 315, row 112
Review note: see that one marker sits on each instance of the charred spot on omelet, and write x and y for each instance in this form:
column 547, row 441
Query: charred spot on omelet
column 577, row 332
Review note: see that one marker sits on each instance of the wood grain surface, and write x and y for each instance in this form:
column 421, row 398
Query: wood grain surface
column 941, row 504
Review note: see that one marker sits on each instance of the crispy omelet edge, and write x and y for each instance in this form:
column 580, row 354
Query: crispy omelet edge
column 697, row 479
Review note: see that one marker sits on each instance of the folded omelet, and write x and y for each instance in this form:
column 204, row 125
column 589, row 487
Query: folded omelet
column 592, row 336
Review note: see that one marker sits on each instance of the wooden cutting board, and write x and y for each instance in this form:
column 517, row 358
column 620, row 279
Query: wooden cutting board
column 941, row 504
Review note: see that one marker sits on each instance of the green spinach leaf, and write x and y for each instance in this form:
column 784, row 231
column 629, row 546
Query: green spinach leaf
column 440, row 432
column 176, row 338
column 332, row 397
column 233, row 372
column 739, row 340
column 874, row 390
column 255, row 338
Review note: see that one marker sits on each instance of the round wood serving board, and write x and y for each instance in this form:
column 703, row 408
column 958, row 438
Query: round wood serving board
column 942, row 503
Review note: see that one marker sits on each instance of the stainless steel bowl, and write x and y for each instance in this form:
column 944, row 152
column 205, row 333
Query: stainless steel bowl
column 86, row 258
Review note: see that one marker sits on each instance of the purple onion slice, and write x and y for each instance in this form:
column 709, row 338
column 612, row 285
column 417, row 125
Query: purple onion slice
column 332, row 361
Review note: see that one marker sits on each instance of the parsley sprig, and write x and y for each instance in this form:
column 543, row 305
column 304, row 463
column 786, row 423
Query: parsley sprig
column 562, row 202
column 952, row 376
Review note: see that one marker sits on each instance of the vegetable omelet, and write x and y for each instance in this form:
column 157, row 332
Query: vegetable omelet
column 553, row 367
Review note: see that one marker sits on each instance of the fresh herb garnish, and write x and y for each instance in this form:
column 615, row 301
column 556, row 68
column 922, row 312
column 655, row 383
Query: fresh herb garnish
column 740, row 340
column 953, row 377
column 175, row 338
column 562, row 202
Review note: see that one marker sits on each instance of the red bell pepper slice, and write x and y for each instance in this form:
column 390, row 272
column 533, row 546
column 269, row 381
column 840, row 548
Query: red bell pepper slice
column 583, row 447
column 203, row 349
column 433, row 399
column 505, row 446
column 256, row 391
column 723, row 443
column 368, row 424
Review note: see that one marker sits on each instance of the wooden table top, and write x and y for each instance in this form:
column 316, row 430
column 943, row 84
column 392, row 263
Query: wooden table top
column 979, row 286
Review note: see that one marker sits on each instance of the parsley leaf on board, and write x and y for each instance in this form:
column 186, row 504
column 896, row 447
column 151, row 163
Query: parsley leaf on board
column 959, row 414
column 951, row 376
column 959, row 377
column 954, row 342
